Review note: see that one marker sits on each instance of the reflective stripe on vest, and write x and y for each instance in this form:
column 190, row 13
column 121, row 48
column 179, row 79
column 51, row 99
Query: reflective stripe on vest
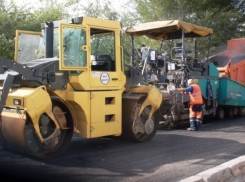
column 196, row 95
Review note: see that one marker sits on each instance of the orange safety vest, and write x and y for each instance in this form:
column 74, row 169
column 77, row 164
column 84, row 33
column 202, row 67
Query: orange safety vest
column 196, row 95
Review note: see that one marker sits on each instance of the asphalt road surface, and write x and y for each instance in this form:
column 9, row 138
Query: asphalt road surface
column 170, row 156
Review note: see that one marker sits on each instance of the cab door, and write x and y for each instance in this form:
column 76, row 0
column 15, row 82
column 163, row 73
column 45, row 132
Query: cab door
column 104, row 57
column 26, row 46
column 72, row 47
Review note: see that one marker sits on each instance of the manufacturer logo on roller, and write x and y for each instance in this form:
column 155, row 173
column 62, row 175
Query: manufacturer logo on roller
column 104, row 78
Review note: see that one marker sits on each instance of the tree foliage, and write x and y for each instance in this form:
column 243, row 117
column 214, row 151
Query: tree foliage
column 225, row 17
column 14, row 18
column 93, row 8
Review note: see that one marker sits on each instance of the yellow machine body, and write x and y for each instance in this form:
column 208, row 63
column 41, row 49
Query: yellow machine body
column 93, row 103
column 98, row 113
column 97, row 105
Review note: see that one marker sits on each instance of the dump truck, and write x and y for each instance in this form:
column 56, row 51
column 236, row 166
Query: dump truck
column 231, row 66
column 69, row 79
column 231, row 62
column 182, row 61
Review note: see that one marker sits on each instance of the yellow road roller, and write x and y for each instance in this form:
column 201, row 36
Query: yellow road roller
column 71, row 78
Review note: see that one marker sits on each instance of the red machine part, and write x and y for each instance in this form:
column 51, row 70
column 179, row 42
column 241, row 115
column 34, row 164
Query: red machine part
column 231, row 63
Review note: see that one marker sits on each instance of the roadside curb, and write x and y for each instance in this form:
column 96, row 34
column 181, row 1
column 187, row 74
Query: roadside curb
column 231, row 169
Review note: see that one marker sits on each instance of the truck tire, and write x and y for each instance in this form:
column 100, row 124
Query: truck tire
column 242, row 111
column 220, row 114
column 229, row 112
column 236, row 111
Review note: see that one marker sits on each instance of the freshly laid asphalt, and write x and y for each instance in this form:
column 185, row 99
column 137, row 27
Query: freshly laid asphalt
column 169, row 157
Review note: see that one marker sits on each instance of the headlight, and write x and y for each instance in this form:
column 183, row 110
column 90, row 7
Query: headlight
column 17, row 102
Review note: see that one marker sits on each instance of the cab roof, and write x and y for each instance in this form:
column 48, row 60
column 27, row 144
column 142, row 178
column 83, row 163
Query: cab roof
column 171, row 29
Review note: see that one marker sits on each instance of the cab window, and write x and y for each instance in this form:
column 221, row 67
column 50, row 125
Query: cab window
column 27, row 46
column 102, row 50
column 73, row 54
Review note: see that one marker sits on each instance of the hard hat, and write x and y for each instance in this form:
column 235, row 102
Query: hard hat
column 190, row 81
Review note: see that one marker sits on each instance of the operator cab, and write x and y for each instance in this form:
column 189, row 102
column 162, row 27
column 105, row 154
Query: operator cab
column 88, row 49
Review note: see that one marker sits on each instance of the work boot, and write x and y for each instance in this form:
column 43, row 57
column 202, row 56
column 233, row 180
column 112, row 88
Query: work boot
column 192, row 124
column 191, row 129
column 198, row 124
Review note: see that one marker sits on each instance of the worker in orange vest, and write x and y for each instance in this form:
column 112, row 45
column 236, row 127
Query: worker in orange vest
column 196, row 102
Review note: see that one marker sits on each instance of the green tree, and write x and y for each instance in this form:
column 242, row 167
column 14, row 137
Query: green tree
column 93, row 8
column 225, row 17
column 14, row 18
column 8, row 14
